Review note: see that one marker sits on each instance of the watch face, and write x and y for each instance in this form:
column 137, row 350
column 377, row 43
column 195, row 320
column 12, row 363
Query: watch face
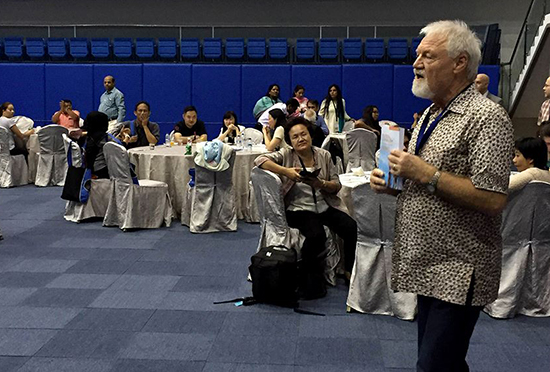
column 431, row 189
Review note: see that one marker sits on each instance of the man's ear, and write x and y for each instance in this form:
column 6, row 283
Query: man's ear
column 461, row 63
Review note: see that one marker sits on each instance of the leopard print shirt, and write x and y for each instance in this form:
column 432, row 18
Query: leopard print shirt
column 440, row 245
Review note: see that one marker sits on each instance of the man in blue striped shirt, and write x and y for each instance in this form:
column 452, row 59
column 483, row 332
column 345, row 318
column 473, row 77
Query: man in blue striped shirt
column 111, row 101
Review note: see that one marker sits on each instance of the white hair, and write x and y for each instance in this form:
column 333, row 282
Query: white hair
column 460, row 39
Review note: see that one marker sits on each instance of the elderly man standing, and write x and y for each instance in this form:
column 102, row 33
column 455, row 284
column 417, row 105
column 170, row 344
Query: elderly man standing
column 111, row 101
column 482, row 86
column 448, row 247
column 544, row 113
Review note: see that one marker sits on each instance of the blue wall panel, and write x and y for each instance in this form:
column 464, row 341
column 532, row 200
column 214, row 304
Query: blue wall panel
column 129, row 80
column 215, row 90
column 494, row 77
column 405, row 104
column 368, row 85
column 72, row 82
column 255, row 81
column 316, row 79
column 23, row 85
column 168, row 89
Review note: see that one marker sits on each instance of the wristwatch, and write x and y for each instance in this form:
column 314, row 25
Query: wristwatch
column 432, row 185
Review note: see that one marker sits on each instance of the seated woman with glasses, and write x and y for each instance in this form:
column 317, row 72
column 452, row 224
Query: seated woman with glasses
column 310, row 187
column 530, row 160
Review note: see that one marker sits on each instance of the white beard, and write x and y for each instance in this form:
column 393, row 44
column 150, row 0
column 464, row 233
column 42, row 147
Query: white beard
column 421, row 89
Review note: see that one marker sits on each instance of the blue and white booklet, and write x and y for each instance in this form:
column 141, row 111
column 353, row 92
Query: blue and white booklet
column 391, row 138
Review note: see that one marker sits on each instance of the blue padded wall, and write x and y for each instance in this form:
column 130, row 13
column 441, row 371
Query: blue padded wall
column 255, row 81
column 168, row 89
column 494, row 77
column 405, row 104
column 129, row 80
column 215, row 90
column 74, row 82
column 316, row 79
column 368, row 85
column 23, row 85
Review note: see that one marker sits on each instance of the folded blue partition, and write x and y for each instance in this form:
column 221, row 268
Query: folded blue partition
column 405, row 104
column 23, row 85
column 216, row 89
column 316, row 79
column 255, row 81
column 365, row 85
column 129, row 80
column 168, row 89
column 69, row 81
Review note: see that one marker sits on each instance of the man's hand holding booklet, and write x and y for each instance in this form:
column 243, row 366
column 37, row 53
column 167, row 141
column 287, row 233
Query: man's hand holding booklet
column 391, row 138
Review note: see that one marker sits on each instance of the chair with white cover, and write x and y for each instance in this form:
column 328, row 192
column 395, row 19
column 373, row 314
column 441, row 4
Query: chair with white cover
column 52, row 158
column 255, row 135
column 362, row 145
column 213, row 199
column 13, row 168
column 370, row 286
column 133, row 206
column 525, row 277
column 98, row 198
column 274, row 229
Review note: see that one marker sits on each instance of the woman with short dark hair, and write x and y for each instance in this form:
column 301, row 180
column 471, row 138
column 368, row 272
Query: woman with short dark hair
column 310, row 188
column 7, row 122
column 530, row 160
column 230, row 128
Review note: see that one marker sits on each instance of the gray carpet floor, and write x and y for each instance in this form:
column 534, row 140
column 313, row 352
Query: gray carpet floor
column 82, row 297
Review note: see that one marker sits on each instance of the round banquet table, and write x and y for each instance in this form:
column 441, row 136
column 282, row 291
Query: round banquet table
column 171, row 165
column 33, row 146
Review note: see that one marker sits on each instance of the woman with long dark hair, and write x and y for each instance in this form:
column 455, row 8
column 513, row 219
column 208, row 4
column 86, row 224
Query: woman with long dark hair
column 270, row 98
column 370, row 119
column 333, row 110
column 274, row 131
column 96, row 124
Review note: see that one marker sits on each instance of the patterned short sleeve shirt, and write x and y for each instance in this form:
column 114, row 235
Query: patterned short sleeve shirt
column 440, row 245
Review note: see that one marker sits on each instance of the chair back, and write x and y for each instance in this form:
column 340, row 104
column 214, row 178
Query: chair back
column 4, row 141
column 118, row 161
column 255, row 135
column 73, row 150
column 51, row 139
column 362, row 145
column 271, row 206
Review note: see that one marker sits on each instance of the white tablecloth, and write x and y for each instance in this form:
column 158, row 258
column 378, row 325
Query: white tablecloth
column 171, row 165
column 33, row 146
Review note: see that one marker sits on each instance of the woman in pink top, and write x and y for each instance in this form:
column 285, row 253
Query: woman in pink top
column 66, row 116
column 299, row 91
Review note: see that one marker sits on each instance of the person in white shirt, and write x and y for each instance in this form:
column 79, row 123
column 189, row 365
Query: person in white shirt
column 333, row 110
column 7, row 122
column 530, row 160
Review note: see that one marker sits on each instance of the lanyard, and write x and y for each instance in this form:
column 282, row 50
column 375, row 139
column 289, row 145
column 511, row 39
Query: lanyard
column 424, row 133
column 304, row 168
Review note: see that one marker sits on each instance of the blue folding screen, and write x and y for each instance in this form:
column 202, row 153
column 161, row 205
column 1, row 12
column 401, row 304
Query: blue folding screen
column 23, row 85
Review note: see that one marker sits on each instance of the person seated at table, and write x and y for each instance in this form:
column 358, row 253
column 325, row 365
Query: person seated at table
column 141, row 131
column 317, row 134
column 274, row 131
column 530, row 160
column 290, row 108
column 97, row 124
column 68, row 118
column 313, row 104
column 333, row 109
column 299, row 96
column 311, row 202
column 544, row 133
column 369, row 120
column 190, row 127
column 8, row 122
column 270, row 98
column 230, row 128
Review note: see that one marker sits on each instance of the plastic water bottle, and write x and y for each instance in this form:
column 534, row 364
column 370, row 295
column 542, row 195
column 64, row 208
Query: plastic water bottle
column 249, row 144
column 188, row 146
column 167, row 140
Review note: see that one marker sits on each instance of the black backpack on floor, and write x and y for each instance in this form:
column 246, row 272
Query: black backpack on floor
column 274, row 272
